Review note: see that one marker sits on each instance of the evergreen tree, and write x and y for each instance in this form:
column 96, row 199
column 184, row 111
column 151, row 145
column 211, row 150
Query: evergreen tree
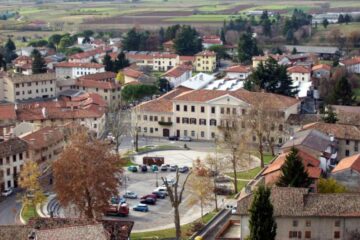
column 93, row 60
column 294, row 51
column 341, row 19
column 342, row 93
column 161, row 35
column 10, row 45
column 293, row 172
column 262, row 223
column 247, row 48
column 330, row 116
column 108, row 63
column 38, row 62
column 325, row 23
column 347, row 18
column 121, row 62
column 222, row 35
column 2, row 62
column 55, row 39
column 272, row 77
column 290, row 38
column 187, row 41
column 132, row 40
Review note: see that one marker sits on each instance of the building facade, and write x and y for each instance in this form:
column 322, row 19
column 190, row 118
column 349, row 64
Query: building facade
column 205, row 61
column 72, row 70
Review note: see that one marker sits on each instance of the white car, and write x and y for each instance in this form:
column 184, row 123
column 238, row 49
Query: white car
column 185, row 139
column 161, row 189
column 7, row 192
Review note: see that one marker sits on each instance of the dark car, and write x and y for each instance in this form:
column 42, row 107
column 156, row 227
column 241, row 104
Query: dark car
column 148, row 201
column 173, row 138
column 144, row 168
column 183, row 169
column 132, row 168
column 159, row 194
column 141, row 208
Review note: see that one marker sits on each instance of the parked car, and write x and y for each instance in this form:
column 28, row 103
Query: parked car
column 132, row 168
column 141, row 208
column 185, row 139
column 161, row 189
column 159, row 194
column 154, row 168
column 173, row 138
column 173, row 168
column 149, row 196
column 130, row 195
column 183, row 169
column 221, row 190
column 121, row 210
column 169, row 181
column 115, row 200
column 149, row 200
column 164, row 167
column 144, row 168
column 222, row 179
column 7, row 192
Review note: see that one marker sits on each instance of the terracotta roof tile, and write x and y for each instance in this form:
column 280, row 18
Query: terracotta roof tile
column 97, row 84
column 298, row 69
column 90, row 53
column 7, row 111
column 177, row 71
column 351, row 61
column 99, row 76
column 33, row 78
column 12, row 146
column 340, row 131
column 322, row 67
column 43, row 137
column 132, row 73
column 206, row 53
column 352, row 162
column 238, row 69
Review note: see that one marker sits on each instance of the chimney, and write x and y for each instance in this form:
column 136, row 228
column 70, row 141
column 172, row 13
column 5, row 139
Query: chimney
column 44, row 112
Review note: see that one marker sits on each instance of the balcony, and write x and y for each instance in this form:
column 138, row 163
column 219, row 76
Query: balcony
column 162, row 123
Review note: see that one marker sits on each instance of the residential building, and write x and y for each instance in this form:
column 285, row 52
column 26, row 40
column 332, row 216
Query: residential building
column 86, row 57
column 316, row 143
column 300, row 73
column 169, row 46
column 44, row 146
column 164, row 61
column 200, row 113
column 23, row 64
column 211, row 40
column 103, row 83
column 178, row 75
column 142, row 59
column 238, row 71
column 303, row 215
column 13, row 154
column 72, row 70
column 198, row 81
column 318, row 50
column 186, row 60
column 132, row 75
column 347, row 136
column 312, row 165
column 321, row 71
column 352, row 64
column 22, row 87
column 347, row 114
column 347, row 172
column 7, row 120
column 205, row 61
column 86, row 109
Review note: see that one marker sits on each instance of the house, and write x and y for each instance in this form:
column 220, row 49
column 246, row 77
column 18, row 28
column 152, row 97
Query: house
column 186, row 60
column 200, row 113
column 321, row 71
column 256, row 60
column 238, row 71
column 23, row 64
column 347, row 172
column 205, row 61
column 273, row 172
column 178, row 75
column 347, row 136
column 164, row 61
column 211, row 40
column 169, row 46
column 22, row 87
column 300, row 214
column 299, row 73
column 44, row 147
column 103, row 83
column 316, row 143
column 7, row 120
column 142, row 59
column 13, row 154
column 318, row 50
column 68, row 229
column 330, row 17
column 352, row 64
column 347, row 114
column 72, row 70
column 86, row 57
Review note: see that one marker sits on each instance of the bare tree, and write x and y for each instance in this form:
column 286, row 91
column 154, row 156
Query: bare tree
column 176, row 198
column 134, row 128
column 118, row 121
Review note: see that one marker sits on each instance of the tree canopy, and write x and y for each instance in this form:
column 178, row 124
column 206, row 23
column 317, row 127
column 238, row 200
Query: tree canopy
column 330, row 185
column 187, row 41
column 342, row 93
column 247, row 48
column 135, row 92
column 38, row 62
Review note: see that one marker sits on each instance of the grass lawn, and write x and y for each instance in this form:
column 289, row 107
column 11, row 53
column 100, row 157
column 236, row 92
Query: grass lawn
column 28, row 212
column 201, row 18
column 241, row 184
column 249, row 174
column 267, row 158
column 169, row 233
column 357, row 94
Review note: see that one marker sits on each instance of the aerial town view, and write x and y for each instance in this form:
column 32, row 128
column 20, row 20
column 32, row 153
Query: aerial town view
column 179, row 119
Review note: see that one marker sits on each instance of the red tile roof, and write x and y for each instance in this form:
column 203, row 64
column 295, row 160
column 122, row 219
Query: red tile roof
column 351, row 61
column 187, row 58
column 352, row 162
column 132, row 72
column 165, row 55
column 177, row 71
column 78, row 65
column 43, row 137
column 298, row 69
column 7, row 112
column 340, row 131
column 206, row 53
column 238, row 69
column 97, row 84
column 99, row 76
column 322, row 67
column 90, row 53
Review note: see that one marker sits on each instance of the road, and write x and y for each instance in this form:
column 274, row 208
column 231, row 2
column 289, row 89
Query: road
column 9, row 210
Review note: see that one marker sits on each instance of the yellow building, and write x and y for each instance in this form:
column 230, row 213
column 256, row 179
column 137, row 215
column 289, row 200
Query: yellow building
column 205, row 61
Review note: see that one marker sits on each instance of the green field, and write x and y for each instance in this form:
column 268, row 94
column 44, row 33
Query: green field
column 201, row 18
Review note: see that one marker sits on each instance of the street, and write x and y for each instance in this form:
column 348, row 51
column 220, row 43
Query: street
column 9, row 210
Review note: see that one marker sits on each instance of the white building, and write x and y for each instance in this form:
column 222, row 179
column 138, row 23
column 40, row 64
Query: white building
column 198, row 81
column 164, row 61
column 300, row 73
column 238, row 71
column 178, row 75
column 22, row 87
column 352, row 64
column 72, row 70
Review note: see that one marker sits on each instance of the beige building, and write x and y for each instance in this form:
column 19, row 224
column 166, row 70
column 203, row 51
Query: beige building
column 21, row 87
column 300, row 73
column 303, row 215
column 199, row 113
column 164, row 61
column 72, row 70
column 205, row 61
column 13, row 154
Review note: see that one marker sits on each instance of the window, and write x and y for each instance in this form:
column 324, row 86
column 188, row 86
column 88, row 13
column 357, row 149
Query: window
column 222, row 110
column 347, row 153
column 151, row 118
column 192, row 120
column 145, row 129
column 193, row 133
column 145, row 117
column 242, row 124
column 337, row 234
column 202, row 121
column 227, row 110
column 202, row 134
column 254, row 139
column 295, row 223
column 212, row 122
column 243, row 111
column 185, row 108
column 202, row 109
column 8, row 172
column 177, row 120
column 280, row 140
column 294, row 234
column 185, row 120
column 356, row 146
column 337, row 223
column 347, row 141
column 213, row 110
column 185, row 133
column 192, row 108
column 234, row 111
column 281, row 127
column 212, row 135
column 151, row 130
column 95, row 126
column 307, row 234
column 14, row 158
column 178, row 108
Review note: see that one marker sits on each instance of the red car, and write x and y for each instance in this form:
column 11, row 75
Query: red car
column 149, row 196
